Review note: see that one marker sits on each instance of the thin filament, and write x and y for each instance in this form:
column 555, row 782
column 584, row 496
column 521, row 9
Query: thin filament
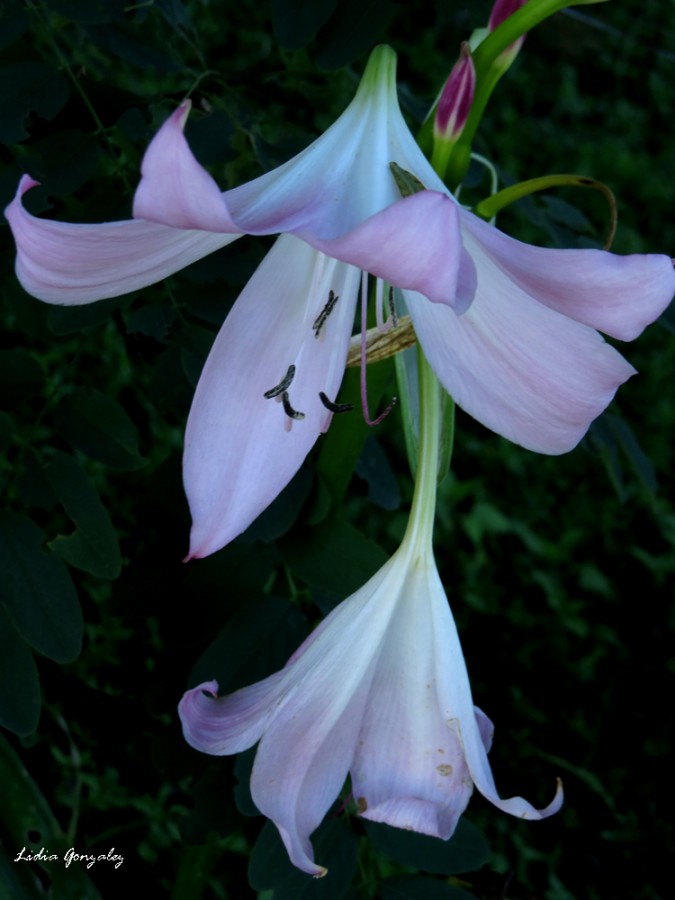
column 364, row 327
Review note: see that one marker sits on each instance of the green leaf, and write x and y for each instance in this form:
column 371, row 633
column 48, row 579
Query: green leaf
column 6, row 431
column 373, row 466
column 297, row 21
column 13, row 22
column 257, row 640
column 93, row 547
column 342, row 445
column 333, row 556
column 30, row 823
column 334, row 847
column 98, row 426
column 21, row 373
column 27, row 87
column 352, row 31
column 19, row 683
column 37, row 591
column 466, row 851
column 212, row 814
column 417, row 887
column 71, row 319
column 152, row 321
column 277, row 519
column 63, row 161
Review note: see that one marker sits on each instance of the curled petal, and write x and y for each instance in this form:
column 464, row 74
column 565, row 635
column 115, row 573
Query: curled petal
column 527, row 372
column 413, row 244
column 73, row 264
column 174, row 189
column 241, row 447
column 302, row 763
column 225, row 725
column 471, row 725
column 619, row 295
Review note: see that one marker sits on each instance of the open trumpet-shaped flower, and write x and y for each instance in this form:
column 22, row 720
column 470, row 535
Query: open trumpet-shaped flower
column 510, row 329
column 379, row 690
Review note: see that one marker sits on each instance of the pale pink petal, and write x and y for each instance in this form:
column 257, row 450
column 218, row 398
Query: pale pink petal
column 409, row 770
column 527, row 372
column 241, row 449
column 414, row 244
column 230, row 724
column 73, row 264
column 619, row 295
column 457, row 708
column 303, row 760
column 175, row 190
column 306, row 751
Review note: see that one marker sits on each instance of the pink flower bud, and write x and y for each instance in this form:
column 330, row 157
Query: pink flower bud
column 501, row 11
column 456, row 97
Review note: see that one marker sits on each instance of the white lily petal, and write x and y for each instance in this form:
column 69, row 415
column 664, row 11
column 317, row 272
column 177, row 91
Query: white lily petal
column 226, row 725
column 241, row 448
column 73, row 264
column 527, row 372
column 619, row 295
column 409, row 770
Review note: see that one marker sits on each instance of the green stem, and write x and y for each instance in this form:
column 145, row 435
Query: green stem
column 423, row 509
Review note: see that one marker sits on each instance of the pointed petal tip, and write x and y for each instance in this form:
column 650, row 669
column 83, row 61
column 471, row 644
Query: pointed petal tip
column 25, row 184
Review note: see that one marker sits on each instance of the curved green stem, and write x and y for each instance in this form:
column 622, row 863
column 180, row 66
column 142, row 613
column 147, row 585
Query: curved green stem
column 423, row 509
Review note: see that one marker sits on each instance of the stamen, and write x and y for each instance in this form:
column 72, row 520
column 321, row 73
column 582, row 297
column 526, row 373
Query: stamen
column 335, row 407
column 392, row 307
column 325, row 312
column 288, row 409
column 364, row 391
column 283, row 385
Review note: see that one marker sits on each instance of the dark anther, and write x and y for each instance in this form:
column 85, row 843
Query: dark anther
column 335, row 407
column 392, row 308
column 288, row 409
column 283, row 385
column 325, row 312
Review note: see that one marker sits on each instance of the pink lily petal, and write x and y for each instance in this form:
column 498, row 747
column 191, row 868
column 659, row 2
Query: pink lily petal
column 333, row 196
column 175, row 190
column 414, row 244
column 226, row 725
column 472, row 725
column 619, row 295
column 409, row 770
column 241, row 448
column 522, row 369
column 74, row 264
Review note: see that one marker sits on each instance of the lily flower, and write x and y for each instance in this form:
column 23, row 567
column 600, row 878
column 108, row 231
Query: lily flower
column 379, row 691
column 508, row 328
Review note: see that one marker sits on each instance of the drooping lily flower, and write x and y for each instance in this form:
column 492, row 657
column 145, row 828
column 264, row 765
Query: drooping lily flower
column 379, row 691
column 510, row 329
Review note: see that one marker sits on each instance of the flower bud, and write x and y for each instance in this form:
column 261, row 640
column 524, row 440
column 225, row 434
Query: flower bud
column 456, row 98
column 501, row 11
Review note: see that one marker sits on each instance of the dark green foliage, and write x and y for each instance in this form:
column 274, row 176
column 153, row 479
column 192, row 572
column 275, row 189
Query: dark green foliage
column 560, row 571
